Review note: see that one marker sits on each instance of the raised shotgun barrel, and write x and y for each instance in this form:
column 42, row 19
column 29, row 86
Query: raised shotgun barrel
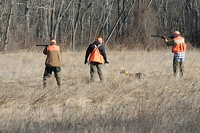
column 171, row 37
column 45, row 45
column 156, row 35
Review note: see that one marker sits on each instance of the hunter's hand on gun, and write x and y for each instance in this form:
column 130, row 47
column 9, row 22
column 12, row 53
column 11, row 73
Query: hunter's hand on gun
column 163, row 37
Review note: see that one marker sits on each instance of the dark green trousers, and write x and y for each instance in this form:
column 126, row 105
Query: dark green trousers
column 178, row 67
column 47, row 75
column 93, row 67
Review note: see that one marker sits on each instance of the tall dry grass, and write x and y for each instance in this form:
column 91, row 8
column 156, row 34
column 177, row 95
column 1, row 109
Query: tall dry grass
column 158, row 102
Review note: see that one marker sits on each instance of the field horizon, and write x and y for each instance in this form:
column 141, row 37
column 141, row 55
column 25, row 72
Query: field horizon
column 157, row 102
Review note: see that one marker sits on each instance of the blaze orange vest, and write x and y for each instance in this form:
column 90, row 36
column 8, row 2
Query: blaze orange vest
column 53, row 47
column 96, row 56
column 180, row 45
column 53, row 56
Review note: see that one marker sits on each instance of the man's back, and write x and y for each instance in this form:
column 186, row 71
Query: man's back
column 53, row 56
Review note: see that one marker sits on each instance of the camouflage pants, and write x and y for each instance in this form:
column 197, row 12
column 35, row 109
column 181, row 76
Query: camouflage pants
column 47, row 75
column 178, row 67
column 93, row 67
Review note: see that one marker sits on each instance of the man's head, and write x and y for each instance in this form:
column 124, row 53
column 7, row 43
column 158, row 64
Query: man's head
column 176, row 33
column 53, row 42
column 100, row 40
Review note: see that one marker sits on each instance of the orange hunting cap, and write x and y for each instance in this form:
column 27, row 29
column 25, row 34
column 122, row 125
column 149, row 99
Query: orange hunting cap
column 53, row 41
column 100, row 40
column 176, row 33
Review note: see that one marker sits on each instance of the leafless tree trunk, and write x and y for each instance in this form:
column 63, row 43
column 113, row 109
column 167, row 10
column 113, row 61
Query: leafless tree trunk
column 7, row 33
column 75, row 21
column 58, row 18
column 114, row 27
column 81, row 21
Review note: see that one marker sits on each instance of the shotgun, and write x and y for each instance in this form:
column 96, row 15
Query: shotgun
column 161, row 36
column 46, row 45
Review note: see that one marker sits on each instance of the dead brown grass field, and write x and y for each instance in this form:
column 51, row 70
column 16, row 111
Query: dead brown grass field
column 158, row 102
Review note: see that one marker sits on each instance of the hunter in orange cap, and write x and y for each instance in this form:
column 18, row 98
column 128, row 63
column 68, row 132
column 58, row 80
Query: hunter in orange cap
column 97, row 56
column 178, row 48
column 53, row 63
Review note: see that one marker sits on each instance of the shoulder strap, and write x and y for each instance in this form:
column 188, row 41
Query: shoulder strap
column 97, row 46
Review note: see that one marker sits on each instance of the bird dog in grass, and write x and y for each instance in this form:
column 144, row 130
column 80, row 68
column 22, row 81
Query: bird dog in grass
column 137, row 75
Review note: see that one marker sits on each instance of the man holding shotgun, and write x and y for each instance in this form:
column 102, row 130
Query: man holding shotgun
column 53, row 63
column 178, row 48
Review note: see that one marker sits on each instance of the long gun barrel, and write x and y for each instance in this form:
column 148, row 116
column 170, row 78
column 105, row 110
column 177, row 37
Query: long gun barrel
column 42, row 45
column 156, row 35
column 171, row 37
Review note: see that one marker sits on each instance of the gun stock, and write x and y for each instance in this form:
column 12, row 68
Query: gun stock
column 45, row 45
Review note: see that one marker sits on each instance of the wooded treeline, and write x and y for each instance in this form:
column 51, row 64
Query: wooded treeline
column 76, row 23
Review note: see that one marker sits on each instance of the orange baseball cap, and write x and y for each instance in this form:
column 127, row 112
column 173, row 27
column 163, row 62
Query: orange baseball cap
column 176, row 33
column 100, row 40
column 53, row 41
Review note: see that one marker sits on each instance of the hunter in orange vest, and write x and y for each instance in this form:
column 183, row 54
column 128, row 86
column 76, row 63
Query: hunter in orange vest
column 178, row 48
column 53, row 63
column 97, row 57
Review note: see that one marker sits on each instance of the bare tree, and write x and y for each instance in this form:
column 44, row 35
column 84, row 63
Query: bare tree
column 8, row 24
column 75, row 22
